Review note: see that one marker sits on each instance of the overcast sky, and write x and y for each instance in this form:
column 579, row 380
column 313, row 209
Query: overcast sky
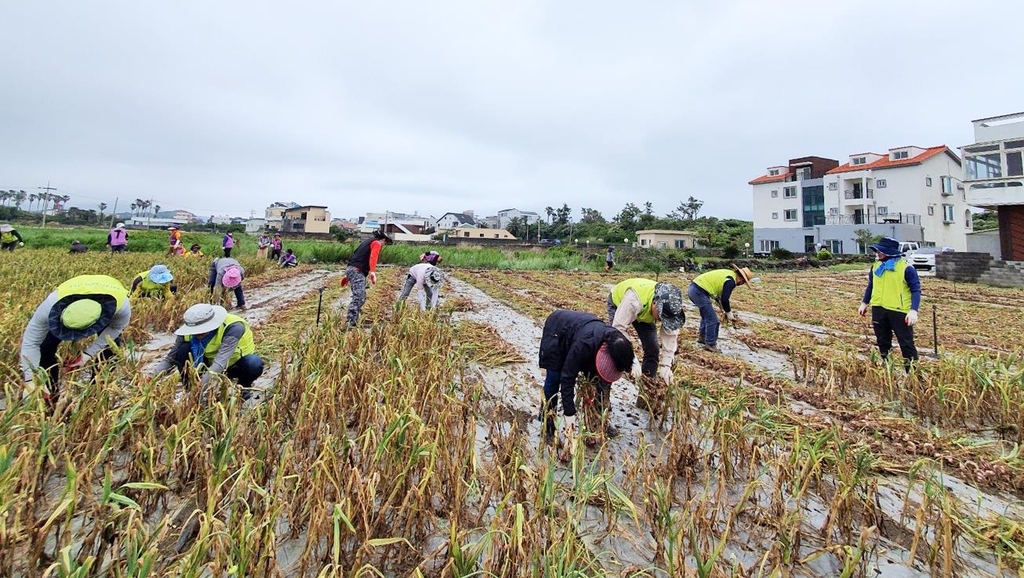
column 437, row 106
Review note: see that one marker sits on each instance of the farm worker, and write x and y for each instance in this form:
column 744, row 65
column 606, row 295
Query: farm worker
column 640, row 303
column 153, row 283
column 117, row 239
column 894, row 294
column 427, row 279
column 275, row 247
column 289, row 259
column 263, row 245
column 194, row 251
column 228, row 243
column 219, row 343
column 77, row 247
column 225, row 274
column 10, row 238
column 173, row 240
column 432, row 257
column 362, row 266
column 81, row 307
column 609, row 258
column 716, row 285
column 572, row 343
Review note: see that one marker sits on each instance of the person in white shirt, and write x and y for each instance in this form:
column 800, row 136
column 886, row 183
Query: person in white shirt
column 427, row 279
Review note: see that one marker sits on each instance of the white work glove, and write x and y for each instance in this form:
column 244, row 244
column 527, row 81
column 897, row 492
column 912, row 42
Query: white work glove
column 665, row 373
column 79, row 361
column 20, row 244
column 637, row 370
column 911, row 319
column 570, row 433
column 863, row 309
column 372, row 277
column 731, row 316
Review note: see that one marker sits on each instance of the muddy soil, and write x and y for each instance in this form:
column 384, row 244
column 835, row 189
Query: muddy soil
column 518, row 387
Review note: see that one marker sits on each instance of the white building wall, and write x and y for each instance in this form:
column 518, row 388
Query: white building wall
column 765, row 206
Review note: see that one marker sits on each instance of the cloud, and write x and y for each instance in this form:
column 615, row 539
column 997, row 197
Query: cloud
column 453, row 105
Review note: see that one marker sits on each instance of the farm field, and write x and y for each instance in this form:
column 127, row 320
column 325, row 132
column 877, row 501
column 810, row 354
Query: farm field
column 411, row 447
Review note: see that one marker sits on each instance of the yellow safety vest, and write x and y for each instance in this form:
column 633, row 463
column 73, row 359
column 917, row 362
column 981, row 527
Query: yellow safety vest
column 714, row 281
column 8, row 237
column 644, row 289
column 246, row 344
column 94, row 285
column 890, row 290
column 148, row 286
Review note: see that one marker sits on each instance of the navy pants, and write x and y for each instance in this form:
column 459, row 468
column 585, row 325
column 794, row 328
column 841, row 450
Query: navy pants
column 885, row 322
column 245, row 371
column 709, row 323
column 48, row 359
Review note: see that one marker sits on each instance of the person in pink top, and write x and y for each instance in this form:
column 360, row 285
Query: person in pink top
column 228, row 243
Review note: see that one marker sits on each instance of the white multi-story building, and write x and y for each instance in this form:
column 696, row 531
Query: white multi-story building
column 910, row 193
column 994, row 177
column 453, row 220
column 506, row 215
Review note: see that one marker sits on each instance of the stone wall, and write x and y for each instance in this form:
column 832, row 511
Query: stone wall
column 963, row 267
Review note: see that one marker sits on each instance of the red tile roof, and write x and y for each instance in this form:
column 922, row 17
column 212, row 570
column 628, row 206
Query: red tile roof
column 886, row 163
column 769, row 179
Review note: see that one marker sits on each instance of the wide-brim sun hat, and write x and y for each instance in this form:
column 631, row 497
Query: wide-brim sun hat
column 669, row 301
column 747, row 274
column 79, row 316
column 433, row 278
column 119, row 226
column 160, row 274
column 172, row 228
column 887, row 246
column 606, row 369
column 202, row 318
column 5, row 228
column 232, row 277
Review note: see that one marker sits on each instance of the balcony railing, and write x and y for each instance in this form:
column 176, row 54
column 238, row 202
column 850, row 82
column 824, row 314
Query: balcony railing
column 858, row 195
column 874, row 219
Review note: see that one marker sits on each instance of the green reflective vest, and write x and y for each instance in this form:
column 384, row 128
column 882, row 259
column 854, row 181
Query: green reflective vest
column 246, row 344
column 714, row 281
column 890, row 290
column 148, row 287
column 94, row 285
column 8, row 237
column 644, row 289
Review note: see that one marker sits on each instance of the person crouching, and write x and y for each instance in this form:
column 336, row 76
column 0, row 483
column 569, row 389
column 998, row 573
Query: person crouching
column 215, row 342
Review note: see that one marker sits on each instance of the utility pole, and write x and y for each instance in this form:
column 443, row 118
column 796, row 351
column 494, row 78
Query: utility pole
column 46, row 198
column 113, row 214
column 150, row 221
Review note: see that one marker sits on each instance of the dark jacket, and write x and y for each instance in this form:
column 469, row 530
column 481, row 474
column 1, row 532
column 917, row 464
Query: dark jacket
column 361, row 257
column 569, row 345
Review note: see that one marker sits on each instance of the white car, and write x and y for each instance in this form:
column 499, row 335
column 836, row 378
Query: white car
column 924, row 258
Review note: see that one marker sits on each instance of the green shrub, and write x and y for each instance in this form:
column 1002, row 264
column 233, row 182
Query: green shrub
column 730, row 252
column 780, row 253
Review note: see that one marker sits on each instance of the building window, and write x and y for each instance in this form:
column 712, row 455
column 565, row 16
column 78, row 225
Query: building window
column 946, row 184
column 835, row 246
column 947, row 214
column 927, row 181
column 775, row 215
column 789, row 193
column 773, row 173
column 680, row 243
column 790, row 215
column 967, row 219
column 833, row 186
column 883, row 210
column 768, row 246
column 983, row 167
column 931, row 211
column 859, row 160
column 880, row 183
column 775, row 194
column 1013, row 164
column 900, row 155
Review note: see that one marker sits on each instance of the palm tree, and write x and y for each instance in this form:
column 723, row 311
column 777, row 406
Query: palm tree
column 4, row 195
column 134, row 206
column 19, row 198
column 141, row 205
column 551, row 213
column 31, row 201
column 103, row 207
column 156, row 211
